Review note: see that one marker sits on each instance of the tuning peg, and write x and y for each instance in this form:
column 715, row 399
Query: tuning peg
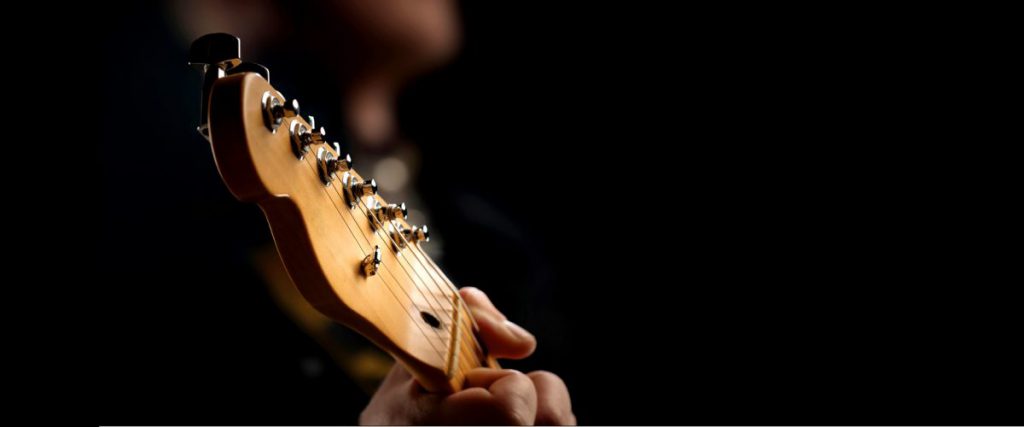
column 340, row 164
column 372, row 262
column 221, row 49
column 417, row 234
column 328, row 166
column 390, row 212
column 317, row 135
column 251, row 67
column 291, row 109
column 212, row 54
column 274, row 112
column 401, row 237
column 303, row 138
column 365, row 188
column 354, row 189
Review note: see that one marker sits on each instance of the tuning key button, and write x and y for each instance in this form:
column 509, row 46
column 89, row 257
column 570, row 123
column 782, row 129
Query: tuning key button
column 251, row 67
column 317, row 135
column 365, row 188
column 341, row 164
column 328, row 166
column 220, row 49
column 380, row 214
column 355, row 189
column 402, row 238
column 301, row 139
column 211, row 55
column 417, row 234
column 372, row 262
column 390, row 212
column 274, row 112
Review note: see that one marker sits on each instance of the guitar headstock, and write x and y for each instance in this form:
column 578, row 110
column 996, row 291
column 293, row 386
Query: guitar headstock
column 351, row 253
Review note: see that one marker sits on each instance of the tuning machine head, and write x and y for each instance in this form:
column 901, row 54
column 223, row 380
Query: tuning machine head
column 390, row 212
column 303, row 138
column 274, row 112
column 251, row 67
column 212, row 54
column 417, row 234
column 355, row 189
column 328, row 166
column 221, row 50
column 402, row 237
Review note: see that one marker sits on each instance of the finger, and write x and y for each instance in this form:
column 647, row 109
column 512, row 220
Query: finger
column 509, row 398
column 388, row 403
column 485, row 377
column 553, row 404
column 503, row 338
column 477, row 298
column 397, row 376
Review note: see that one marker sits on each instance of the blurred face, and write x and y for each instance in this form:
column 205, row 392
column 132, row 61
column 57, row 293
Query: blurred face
column 409, row 35
column 393, row 41
column 374, row 45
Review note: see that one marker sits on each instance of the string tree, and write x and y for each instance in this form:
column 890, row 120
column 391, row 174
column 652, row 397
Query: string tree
column 372, row 262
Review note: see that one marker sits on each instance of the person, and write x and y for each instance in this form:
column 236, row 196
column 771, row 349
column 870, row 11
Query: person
column 491, row 396
column 379, row 47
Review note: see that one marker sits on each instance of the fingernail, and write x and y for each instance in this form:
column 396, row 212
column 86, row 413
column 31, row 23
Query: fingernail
column 518, row 330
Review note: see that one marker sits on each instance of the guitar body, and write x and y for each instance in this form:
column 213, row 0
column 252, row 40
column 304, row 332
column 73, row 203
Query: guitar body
column 351, row 263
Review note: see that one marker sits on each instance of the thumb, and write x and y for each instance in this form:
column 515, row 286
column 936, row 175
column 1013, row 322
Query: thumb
column 503, row 338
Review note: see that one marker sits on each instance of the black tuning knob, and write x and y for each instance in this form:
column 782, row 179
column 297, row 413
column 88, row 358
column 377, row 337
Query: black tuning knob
column 212, row 55
column 251, row 67
column 215, row 49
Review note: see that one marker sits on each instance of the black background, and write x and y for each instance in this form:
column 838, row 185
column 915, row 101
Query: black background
column 706, row 217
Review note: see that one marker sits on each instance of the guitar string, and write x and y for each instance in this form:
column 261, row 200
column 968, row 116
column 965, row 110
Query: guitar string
column 480, row 352
column 434, row 271
column 461, row 361
column 378, row 226
column 441, row 354
column 466, row 349
column 370, row 244
column 418, row 255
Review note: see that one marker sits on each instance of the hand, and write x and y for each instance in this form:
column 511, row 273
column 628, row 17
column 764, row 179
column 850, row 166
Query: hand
column 491, row 396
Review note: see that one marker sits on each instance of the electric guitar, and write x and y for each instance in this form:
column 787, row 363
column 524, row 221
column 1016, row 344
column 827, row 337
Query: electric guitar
column 350, row 253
